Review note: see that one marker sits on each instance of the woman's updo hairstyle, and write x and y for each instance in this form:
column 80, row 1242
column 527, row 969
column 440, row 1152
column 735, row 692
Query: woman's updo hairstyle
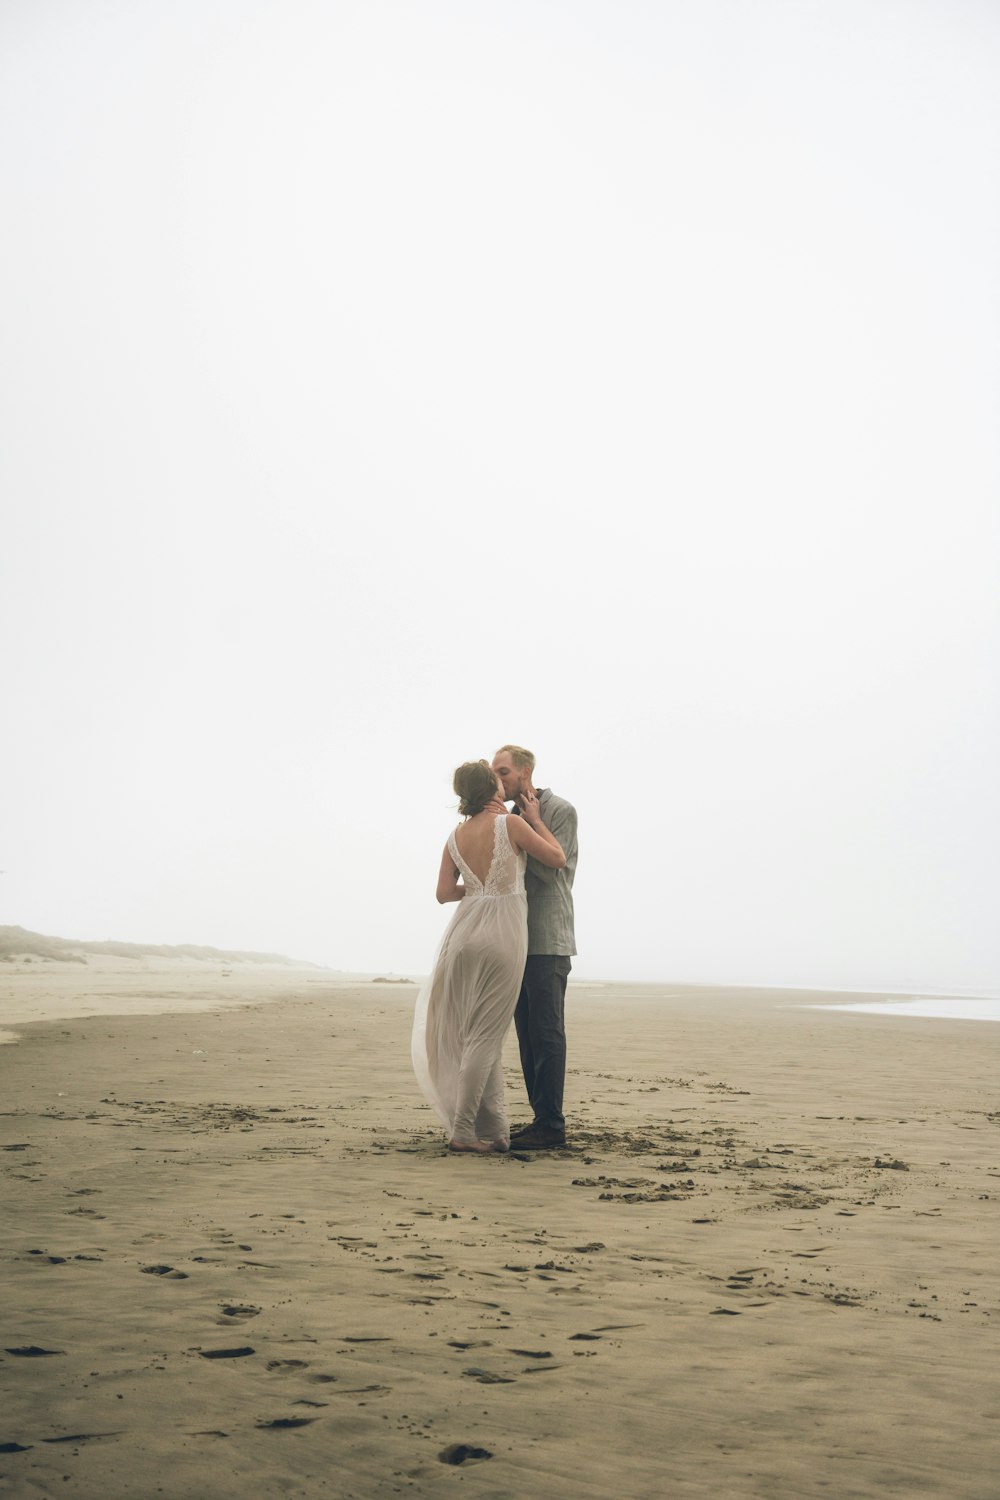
column 475, row 785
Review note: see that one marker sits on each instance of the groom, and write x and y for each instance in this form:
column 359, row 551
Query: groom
column 539, row 1017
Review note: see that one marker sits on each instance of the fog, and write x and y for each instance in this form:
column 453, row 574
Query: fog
column 381, row 383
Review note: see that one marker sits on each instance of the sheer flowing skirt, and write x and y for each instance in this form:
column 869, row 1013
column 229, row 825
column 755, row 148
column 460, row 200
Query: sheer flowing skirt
column 463, row 1013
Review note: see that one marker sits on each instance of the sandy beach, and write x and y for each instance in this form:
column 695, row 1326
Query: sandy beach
column 237, row 1260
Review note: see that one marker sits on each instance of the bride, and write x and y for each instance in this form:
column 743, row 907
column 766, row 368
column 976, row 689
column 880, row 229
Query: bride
column 465, row 1008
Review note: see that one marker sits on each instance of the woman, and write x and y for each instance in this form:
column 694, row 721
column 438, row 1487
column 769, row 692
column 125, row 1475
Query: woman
column 466, row 1006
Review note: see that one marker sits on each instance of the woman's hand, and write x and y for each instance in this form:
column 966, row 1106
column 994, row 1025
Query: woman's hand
column 528, row 803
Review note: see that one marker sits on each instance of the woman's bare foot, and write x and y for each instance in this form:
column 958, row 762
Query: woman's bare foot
column 478, row 1148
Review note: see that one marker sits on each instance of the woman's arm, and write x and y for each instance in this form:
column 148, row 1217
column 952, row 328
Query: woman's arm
column 448, row 876
column 563, row 828
column 535, row 839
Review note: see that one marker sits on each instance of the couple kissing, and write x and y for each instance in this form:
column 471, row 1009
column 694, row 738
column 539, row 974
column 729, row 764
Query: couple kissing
column 505, row 953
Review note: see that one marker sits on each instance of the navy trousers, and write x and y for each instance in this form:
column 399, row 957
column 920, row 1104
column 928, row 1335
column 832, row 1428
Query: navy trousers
column 541, row 1034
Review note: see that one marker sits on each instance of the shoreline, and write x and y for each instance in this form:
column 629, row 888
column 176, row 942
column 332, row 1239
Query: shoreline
column 49, row 991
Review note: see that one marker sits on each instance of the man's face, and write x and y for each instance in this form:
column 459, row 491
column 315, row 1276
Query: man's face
column 515, row 780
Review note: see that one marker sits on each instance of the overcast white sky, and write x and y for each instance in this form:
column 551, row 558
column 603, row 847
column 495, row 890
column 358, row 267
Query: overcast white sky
column 385, row 381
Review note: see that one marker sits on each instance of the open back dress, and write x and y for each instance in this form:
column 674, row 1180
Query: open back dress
column 465, row 1007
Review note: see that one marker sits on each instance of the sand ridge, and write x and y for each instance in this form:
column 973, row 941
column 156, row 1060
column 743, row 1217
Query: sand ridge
column 240, row 1260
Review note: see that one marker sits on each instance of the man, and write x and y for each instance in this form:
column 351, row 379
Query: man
column 539, row 1017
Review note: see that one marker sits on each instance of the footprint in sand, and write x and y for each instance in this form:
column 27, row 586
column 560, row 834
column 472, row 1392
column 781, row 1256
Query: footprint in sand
column 280, row 1423
column 288, row 1364
column 239, row 1311
column 82, row 1437
column 33, row 1351
column 740, row 1281
column 460, row 1453
column 167, row 1272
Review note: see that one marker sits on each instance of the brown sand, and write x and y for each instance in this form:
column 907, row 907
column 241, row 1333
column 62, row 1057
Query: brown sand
column 237, row 1260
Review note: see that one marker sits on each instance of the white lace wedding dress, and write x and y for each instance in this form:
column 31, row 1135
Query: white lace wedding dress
column 465, row 1008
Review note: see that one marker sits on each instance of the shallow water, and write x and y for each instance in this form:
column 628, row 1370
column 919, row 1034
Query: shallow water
column 963, row 1008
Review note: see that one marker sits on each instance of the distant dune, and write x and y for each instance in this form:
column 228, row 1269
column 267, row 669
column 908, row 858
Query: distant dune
column 18, row 942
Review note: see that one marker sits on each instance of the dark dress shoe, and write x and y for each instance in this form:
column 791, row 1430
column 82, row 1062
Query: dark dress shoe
column 522, row 1130
column 538, row 1138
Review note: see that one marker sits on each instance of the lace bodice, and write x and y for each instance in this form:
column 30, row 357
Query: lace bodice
column 506, row 872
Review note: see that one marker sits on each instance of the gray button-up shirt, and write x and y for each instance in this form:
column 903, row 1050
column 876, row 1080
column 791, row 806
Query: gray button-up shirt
column 550, row 892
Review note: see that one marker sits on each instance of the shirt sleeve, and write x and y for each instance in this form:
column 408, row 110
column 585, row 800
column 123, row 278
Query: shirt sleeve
column 563, row 826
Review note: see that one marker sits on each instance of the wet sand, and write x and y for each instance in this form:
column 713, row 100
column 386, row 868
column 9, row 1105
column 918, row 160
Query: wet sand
column 237, row 1259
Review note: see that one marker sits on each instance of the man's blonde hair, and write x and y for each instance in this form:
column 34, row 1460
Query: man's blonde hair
column 523, row 759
